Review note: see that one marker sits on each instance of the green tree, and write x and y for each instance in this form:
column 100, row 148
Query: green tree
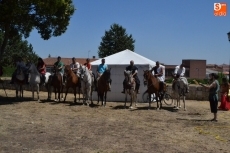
column 20, row 17
column 114, row 41
column 17, row 47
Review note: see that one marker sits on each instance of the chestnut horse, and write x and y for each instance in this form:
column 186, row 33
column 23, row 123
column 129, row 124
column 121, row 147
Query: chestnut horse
column 130, row 87
column 153, row 86
column 71, row 81
column 103, row 86
column 55, row 81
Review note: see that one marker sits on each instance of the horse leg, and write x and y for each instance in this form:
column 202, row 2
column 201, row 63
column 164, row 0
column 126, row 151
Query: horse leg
column 149, row 100
column 125, row 97
column 105, row 98
column 75, row 99
column 16, row 91
column 38, row 92
column 59, row 94
column 91, row 94
column 131, row 102
column 32, row 90
column 98, row 96
column 66, row 92
column 55, row 92
column 21, row 91
column 184, row 103
column 79, row 92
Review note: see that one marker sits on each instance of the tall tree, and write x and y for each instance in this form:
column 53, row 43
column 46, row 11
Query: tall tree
column 115, row 40
column 20, row 17
column 17, row 47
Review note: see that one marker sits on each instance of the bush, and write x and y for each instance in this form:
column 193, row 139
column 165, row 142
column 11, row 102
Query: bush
column 8, row 71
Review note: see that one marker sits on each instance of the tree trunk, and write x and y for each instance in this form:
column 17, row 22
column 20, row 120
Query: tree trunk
column 4, row 43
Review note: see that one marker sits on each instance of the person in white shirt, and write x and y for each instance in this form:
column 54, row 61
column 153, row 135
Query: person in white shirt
column 159, row 73
column 179, row 72
column 75, row 67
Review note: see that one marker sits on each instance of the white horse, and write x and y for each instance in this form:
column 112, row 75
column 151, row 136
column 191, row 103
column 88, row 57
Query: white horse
column 35, row 79
column 179, row 88
column 130, row 87
column 86, row 84
column 19, row 82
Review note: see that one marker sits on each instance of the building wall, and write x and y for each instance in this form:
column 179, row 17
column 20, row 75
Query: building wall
column 196, row 68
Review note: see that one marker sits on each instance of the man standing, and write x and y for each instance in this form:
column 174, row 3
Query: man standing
column 134, row 71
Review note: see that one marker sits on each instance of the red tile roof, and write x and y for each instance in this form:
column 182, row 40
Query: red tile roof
column 67, row 61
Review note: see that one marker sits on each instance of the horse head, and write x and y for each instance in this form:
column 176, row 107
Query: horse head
column 129, row 77
column 67, row 70
column 147, row 75
column 107, row 75
column 32, row 69
column 83, row 71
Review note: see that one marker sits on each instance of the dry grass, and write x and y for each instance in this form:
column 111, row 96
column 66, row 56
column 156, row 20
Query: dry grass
column 30, row 126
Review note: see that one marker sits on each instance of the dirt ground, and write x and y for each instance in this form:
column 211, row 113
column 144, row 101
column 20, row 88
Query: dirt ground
column 57, row 127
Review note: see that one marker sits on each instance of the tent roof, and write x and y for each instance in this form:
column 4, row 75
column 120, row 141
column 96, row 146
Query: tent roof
column 123, row 58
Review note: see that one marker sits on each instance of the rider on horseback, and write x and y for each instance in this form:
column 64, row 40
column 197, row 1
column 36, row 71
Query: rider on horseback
column 134, row 70
column 100, row 70
column 60, row 67
column 75, row 67
column 87, row 64
column 41, row 67
column 19, row 64
column 179, row 73
column 159, row 73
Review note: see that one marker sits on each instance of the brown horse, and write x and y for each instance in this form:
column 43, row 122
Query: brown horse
column 153, row 87
column 55, row 81
column 103, row 86
column 71, row 81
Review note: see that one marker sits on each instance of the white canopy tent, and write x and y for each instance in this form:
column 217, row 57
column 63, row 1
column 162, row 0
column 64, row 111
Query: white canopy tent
column 118, row 62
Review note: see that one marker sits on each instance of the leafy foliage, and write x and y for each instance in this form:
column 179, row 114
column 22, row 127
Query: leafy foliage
column 17, row 47
column 114, row 41
column 20, row 17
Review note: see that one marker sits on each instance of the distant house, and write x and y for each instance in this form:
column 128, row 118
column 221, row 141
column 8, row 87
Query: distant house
column 67, row 61
column 196, row 68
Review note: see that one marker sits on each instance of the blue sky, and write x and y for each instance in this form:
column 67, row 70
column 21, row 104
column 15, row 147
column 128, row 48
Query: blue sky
column 165, row 30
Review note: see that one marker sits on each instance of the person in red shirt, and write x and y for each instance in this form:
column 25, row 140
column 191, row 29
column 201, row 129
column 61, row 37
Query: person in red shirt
column 87, row 64
column 41, row 66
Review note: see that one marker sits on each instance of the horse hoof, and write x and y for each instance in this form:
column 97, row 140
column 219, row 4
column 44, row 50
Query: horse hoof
column 158, row 108
column 185, row 109
column 130, row 107
column 179, row 106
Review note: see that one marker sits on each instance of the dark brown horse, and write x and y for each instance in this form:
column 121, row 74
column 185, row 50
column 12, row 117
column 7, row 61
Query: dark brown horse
column 19, row 82
column 55, row 81
column 71, row 81
column 103, row 86
column 153, row 86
